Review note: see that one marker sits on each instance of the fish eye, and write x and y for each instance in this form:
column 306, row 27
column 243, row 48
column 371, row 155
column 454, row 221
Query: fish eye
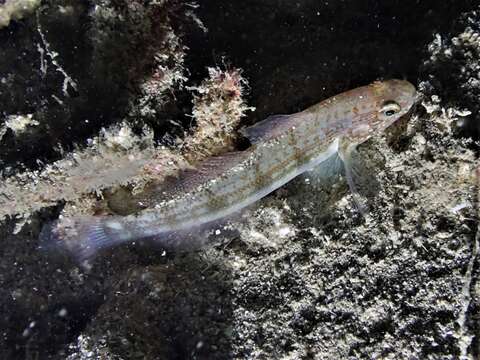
column 390, row 108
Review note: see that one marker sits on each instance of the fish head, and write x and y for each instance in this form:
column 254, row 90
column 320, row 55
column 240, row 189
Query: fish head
column 393, row 99
column 377, row 106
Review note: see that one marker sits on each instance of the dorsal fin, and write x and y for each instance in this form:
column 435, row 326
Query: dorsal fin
column 270, row 128
column 206, row 170
column 184, row 181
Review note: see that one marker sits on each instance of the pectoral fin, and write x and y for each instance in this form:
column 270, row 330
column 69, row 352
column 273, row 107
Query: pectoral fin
column 325, row 171
column 353, row 173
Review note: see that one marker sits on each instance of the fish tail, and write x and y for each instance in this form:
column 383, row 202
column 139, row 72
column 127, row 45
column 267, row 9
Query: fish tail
column 81, row 238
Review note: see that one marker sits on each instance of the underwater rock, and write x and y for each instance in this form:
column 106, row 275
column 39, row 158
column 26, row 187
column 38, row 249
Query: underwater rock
column 306, row 276
column 16, row 10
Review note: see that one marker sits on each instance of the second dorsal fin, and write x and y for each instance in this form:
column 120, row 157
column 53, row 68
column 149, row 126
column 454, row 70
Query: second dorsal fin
column 208, row 169
column 270, row 128
column 184, row 181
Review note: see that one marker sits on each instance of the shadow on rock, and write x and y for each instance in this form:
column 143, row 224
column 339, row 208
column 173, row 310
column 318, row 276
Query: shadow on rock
column 179, row 310
column 44, row 303
column 137, row 302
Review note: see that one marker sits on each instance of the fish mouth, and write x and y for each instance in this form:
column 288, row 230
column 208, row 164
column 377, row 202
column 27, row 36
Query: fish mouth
column 419, row 97
column 410, row 111
column 409, row 94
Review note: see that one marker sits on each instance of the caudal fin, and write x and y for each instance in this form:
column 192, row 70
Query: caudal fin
column 81, row 238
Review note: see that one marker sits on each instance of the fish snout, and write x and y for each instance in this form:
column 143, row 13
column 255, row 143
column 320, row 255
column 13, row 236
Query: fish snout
column 403, row 92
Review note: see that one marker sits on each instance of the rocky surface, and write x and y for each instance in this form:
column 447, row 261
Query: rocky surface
column 89, row 91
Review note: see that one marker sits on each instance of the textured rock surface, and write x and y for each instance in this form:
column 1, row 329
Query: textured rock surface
column 307, row 276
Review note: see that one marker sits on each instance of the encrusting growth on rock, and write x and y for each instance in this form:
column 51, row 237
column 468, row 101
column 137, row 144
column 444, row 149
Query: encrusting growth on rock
column 16, row 10
column 118, row 157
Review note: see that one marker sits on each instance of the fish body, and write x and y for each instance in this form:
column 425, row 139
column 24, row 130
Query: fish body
column 283, row 147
